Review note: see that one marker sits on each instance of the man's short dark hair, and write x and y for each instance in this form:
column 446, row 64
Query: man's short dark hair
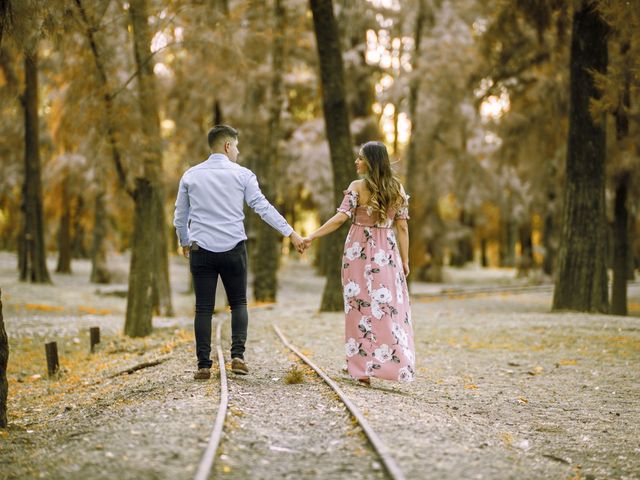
column 219, row 132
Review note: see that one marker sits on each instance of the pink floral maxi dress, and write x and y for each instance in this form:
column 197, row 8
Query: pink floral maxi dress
column 378, row 331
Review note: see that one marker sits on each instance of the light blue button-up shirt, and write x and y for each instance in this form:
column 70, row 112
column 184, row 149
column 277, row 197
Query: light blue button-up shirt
column 209, row 206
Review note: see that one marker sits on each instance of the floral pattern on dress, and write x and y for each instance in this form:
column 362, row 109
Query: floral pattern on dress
column 379, row 332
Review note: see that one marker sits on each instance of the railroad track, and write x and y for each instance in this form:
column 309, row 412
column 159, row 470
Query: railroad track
column 208, row 459
column 378, row 445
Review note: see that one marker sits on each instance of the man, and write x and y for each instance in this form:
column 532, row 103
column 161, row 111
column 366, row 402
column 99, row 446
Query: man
column 209, row 223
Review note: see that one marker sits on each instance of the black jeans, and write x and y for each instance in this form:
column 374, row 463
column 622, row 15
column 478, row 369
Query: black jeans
column 232, row 268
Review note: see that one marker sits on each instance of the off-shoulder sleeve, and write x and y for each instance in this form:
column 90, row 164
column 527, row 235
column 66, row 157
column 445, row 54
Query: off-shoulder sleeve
column 349, row 203
column 403, row 211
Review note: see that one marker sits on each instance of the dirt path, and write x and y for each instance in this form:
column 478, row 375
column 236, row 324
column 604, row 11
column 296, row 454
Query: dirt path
column 504, row 390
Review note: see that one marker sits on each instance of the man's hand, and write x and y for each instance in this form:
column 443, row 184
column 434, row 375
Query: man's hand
column 297, row 241
column 185, row 252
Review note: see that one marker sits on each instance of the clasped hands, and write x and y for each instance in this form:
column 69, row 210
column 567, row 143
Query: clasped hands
column 301, row 244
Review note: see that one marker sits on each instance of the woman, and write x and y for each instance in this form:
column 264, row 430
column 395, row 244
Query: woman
column 379, row 336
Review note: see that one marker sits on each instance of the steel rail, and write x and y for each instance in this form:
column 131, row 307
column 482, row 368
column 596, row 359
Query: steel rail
column 378, row 445
column 204, row 469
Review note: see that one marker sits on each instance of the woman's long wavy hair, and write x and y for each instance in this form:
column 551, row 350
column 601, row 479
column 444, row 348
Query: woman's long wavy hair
column 383, row 185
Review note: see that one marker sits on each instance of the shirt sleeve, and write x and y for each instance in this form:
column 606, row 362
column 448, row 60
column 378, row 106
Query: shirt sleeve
column 349, row 203
column 181, row 214
column 259, row 204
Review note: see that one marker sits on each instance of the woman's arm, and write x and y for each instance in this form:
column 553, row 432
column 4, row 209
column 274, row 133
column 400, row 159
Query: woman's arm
column 402, row 228
column 330, row 225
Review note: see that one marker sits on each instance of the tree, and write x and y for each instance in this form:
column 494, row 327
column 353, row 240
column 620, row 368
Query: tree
column 99, row 270
column 33, row 259
column 64, row 231
column 581, row 282
column 336, row 120
column 525, row 58
column 6, row 16
column 620, row 102
column 422, row 206
column 4, row 358
column 267, row 248
column 148, row 284
column 417, row 246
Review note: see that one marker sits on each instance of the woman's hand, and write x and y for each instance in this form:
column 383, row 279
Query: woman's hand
column 405, row 268
column 307, row 242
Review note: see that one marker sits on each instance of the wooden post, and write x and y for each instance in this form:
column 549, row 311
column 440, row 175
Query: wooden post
column 53, row 366
column 94, row 333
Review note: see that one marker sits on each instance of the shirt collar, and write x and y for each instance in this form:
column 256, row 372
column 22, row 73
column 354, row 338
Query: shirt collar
column 218, row 158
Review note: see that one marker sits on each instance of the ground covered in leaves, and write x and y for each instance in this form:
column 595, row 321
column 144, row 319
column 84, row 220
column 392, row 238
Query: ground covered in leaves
column 504, row 389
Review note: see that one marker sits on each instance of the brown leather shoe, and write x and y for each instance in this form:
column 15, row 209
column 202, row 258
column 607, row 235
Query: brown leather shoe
column 202, row 374
column 239, row 366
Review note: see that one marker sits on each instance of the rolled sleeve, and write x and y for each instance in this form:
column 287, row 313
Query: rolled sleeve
column 259, row 204
column 181, row 214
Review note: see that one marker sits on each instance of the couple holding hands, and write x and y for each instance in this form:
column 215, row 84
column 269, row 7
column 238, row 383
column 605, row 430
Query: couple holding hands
column 209, row 223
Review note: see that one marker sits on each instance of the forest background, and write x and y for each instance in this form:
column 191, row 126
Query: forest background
column 513, row 124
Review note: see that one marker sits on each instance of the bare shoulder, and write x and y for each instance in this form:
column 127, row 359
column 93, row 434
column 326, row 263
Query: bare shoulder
column 356, row 186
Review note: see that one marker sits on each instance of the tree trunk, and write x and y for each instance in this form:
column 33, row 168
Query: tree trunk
column 525, row 262
column 425, row 254
column 253, row 128
column 631, row 257
column 268, row 242
column 4, row 359
column 432, row 271
column 464, row 248
column 161, row 283
column 6, row 17
column 620, row 248
column 64, row 233
column 581, row 283
column 321, row 261
column 548, row 241
column 152, row 156
column 140, row 295
column 33, row 266
column 508, row 243
column 417, row 244
column 484, row 257
column 336, row 119
column 148, row 281
column 78, row 233
column 622, row 267
column 99, row 271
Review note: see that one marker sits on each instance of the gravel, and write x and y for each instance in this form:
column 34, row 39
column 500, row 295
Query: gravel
column 504, row 389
